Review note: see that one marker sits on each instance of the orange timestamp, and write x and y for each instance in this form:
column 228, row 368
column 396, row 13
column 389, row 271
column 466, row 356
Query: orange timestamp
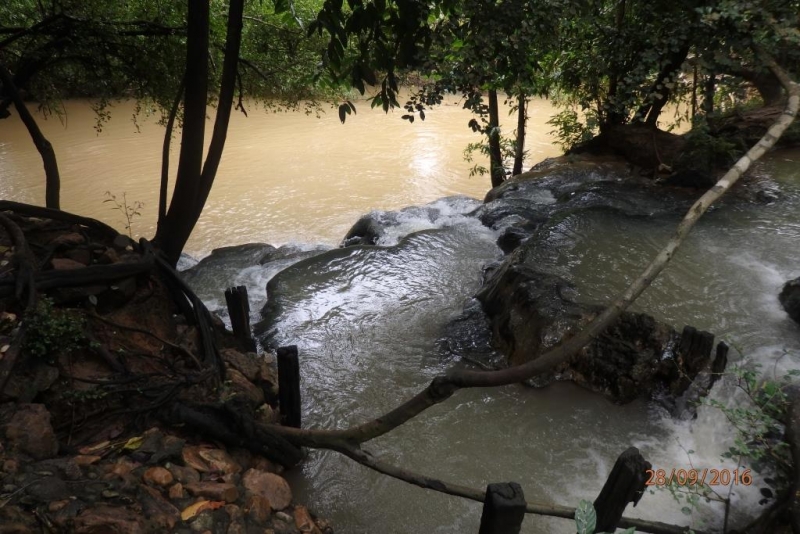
column 694, row 477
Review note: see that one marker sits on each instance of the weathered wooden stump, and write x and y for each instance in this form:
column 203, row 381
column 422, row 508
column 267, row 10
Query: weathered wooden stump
column 289, row 386
column 239, row 310
column 625, row 484
column 503, row 509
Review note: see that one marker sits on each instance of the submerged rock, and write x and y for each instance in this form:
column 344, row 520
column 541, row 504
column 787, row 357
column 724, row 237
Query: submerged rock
column 790, row 299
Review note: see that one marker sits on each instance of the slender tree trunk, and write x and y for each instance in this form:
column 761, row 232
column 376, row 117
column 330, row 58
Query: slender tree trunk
column 194, row 180
column 495, row 155
column 522, row 117
column 708, row 93
column 614, row 116
column 230, row 64
column 694, row 91
column 52, row 176
column 662, row 92
column 180, row 219
column 162, row 195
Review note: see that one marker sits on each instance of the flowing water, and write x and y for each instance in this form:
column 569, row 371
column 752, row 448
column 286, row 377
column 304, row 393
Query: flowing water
column 369, row 320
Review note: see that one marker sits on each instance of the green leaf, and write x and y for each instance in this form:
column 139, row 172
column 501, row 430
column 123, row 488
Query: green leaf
column 585, row 518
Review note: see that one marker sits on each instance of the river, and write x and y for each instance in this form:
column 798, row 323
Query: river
column 368, row 320
column 284, row 177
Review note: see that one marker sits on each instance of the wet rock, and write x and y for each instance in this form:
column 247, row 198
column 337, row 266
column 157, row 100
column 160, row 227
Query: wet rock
column 29, row 431
column 47, row 489
column 65, row 467
column 216, row 491
column 531, row 312
column 86, row 459
column 118, row 520
column 266, row 414
column 176, row 492
column 202, row 522
column 258, row 509
column 25, row 385
column 108, row 257
column 122, row 242
column 511, row 238
column 269, row 485
column 303, row 521
column 13, row 520
column 790, row 299
column 184, row 474
column 170, row 450
column 69, row 239
column 366, row 231
column 245, row 389
column 161, row 515
column 220, row 461
column 64, row 517
column 234, row 512
column 191, row 457
column 81, row 255
column 65, row 264
column 158, row 476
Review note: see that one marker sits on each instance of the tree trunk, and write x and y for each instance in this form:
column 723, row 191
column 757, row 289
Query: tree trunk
column 495, row 155
column 52, row 177
column 230, row 64
column 708, row 93
column 660, row 89
column 614, row 116
column 162, row 194
column 195, row 179
column 521, row 120
column 172, row 235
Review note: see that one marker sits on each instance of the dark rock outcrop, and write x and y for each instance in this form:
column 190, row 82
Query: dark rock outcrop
column 790, row 299
column 531, row 312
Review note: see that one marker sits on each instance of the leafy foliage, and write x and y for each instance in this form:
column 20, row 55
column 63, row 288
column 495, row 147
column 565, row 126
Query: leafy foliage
column 760, row 425
column 129, row 211
column 110, row 50
column 52, row 330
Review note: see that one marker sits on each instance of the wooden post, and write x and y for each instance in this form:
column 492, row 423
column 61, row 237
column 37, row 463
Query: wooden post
column 625, row 484
column 239, row 310
column 289, row 386
column 503, row 509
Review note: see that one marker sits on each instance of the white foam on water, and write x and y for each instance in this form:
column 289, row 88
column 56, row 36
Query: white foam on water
column 443, row 213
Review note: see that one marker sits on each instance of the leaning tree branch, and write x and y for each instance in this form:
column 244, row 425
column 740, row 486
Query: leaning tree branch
column 52, row 177
column 366, row 459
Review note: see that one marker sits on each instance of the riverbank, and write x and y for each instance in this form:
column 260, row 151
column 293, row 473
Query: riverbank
column 110, row 404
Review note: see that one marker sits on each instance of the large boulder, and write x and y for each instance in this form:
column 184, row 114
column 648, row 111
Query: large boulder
column 790, row 298
column 29, row 432
column 530, row 312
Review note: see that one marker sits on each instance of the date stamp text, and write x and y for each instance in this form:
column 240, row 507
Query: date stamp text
column 701, row 477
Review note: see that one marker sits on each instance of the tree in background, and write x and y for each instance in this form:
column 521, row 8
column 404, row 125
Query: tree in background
column 158, row 53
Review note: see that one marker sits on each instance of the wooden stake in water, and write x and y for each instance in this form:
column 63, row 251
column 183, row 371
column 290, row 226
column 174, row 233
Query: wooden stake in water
column 289, row 385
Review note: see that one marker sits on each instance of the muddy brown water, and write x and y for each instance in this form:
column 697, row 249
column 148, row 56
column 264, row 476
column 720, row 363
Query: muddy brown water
column 284, row 177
